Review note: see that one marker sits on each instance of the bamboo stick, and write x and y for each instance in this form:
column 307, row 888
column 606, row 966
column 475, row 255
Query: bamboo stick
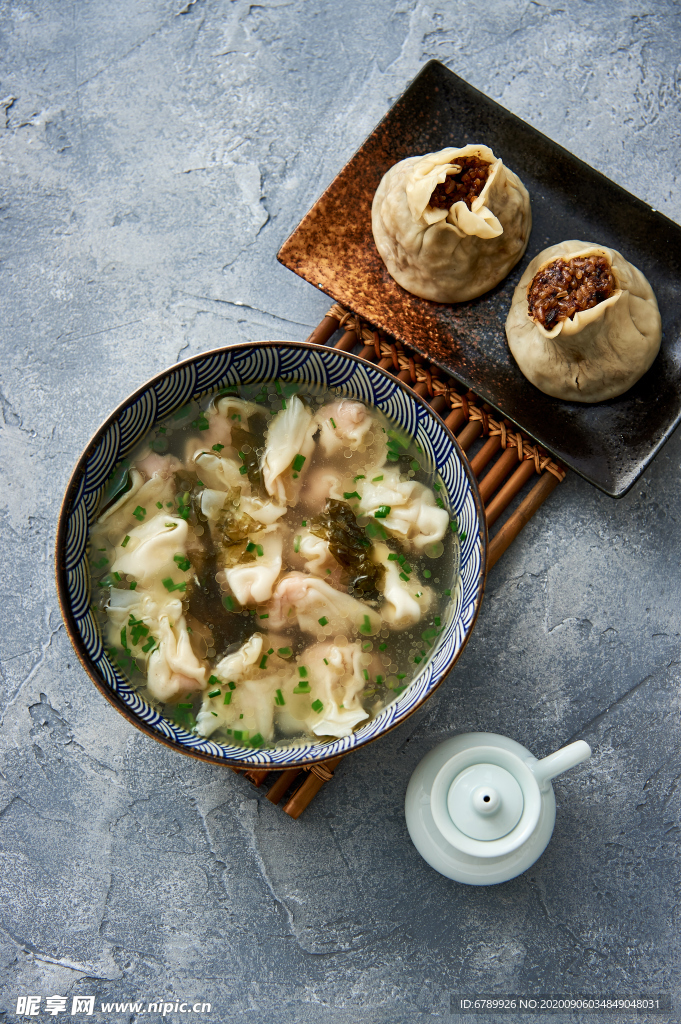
column 498, row 473
column 469, row 433
column 505, row 496
column 486, row 454
column 324, row 331
column 347, row 342
column 522, row 515
column 368, row 352
column 422, row 389
column 309, row 789
column 439, row 403
column 275, row 792
column 257, row 775
column 455, row 419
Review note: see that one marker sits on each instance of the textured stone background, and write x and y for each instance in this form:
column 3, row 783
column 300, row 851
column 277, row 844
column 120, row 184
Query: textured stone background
column 152, row 159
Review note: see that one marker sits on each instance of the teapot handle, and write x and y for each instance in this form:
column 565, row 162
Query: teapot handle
column 560, row 761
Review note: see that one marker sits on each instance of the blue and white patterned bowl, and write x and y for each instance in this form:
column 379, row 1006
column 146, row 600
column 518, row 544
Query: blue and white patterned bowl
column 351, row 377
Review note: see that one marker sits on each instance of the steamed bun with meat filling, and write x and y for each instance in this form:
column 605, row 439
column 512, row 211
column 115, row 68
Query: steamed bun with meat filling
column 450, row 225
column 584, row 323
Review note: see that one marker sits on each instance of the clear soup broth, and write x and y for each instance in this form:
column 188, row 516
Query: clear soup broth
column 273, row 565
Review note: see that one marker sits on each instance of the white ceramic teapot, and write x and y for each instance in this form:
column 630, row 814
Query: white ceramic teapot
column 480, row 807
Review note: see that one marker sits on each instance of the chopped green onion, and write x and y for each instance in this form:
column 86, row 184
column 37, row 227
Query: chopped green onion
column 365, row 674
column 448, row 593
column 265, row 616
column 333, row 423
column 125, row 540
column 366, row 646
column 360, row 476
column 215, row 693
column 437, row 487
column 185, row 706
column 302, row 672
column 218, row 447
column 382, row 512
column 159, row 504
column 351, row 494
column 317, row 706
column 263, row 662
column 304, row 522
column 366, row 626
column 393, row 557
column 140, row 513
column 213, row 681
column 250, row 546
column 214, row 714
column 376, row 479
column 323, row 621
column 101, row 563
column 401, row 675
column 393, row 457
column 133, row 585
column 403, row 576
column 296, row 543
column 259, row 550
column 462, row 536
column 418, row 660
column 379, row 680
column 271, row 650
column 243, row 470
column 382, row 647
column 298, row 463
column 436, row 620
column 302, row 687
column 117, row 575
column 415, row 465
column 170, row 585
column 427, row 573
column 419, row 593
column 182, row 561
column 232, row 685
column 257, row 740
column 325, row 661
column 238, row 733
column 284, row 652
column 279, row 699
column 375, row 531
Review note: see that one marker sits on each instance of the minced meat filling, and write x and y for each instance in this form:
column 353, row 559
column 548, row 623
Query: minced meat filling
column 566, row 287
column 466, row 184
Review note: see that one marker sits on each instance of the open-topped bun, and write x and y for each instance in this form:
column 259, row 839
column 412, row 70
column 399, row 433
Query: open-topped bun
column 584, row 324
column 450, row 225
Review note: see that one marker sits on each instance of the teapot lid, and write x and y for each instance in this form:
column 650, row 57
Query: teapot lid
column 485, row 802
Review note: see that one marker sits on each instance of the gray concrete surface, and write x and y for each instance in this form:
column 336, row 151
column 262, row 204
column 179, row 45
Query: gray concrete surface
column 153, row 156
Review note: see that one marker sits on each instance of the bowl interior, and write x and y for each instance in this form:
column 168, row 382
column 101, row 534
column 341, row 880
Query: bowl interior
column 298, row 362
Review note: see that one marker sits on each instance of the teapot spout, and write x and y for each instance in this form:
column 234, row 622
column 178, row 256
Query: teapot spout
column 558, row 762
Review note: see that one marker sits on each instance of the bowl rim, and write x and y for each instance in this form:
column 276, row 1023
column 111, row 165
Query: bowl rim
column 62, row 585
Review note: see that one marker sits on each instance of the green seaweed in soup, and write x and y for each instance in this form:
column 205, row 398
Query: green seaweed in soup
column 274, row 565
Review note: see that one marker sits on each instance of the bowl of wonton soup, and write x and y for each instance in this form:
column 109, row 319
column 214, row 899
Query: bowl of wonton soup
column 136, row 555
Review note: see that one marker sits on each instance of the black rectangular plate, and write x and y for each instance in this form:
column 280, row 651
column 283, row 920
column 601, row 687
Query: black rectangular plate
column 609, row 443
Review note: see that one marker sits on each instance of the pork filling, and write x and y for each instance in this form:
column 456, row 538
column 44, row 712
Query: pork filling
column 566, row 287
column 465, row 184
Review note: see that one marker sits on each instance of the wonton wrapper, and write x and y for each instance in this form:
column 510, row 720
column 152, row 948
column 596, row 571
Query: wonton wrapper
column 456, row 254
column 599, row 353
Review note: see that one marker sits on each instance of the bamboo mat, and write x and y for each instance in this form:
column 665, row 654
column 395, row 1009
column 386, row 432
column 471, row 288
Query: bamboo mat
column 505, row 461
